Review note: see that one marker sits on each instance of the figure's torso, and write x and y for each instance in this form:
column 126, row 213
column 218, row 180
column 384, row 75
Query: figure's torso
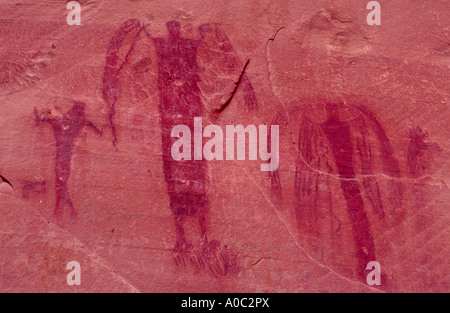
column 178, row 78
column 66, row 130
column 177, row 60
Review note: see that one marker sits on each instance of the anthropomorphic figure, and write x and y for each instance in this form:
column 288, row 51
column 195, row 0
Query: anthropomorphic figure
column 338, row 150
column 66, row 129
column 418, row 146
column 179, row 102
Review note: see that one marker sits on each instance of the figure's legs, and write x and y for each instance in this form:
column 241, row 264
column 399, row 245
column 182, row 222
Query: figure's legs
column 180, row 240
column 58, row 211
column 63, row 197
column 180, row 234
column 62, row 173
column 202, row 224
column 73, row 213
column 365, row 247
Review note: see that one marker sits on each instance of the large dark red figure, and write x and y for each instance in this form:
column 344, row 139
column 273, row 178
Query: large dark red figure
column 179, row 103
column 348, row 145
column 66, row 128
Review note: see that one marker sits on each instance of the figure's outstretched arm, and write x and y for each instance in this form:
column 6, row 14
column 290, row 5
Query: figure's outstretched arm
column 38, row 118
column 96, row 130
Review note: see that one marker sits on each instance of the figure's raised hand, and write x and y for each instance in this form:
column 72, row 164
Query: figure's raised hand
column 94, row 128
column 43, row 116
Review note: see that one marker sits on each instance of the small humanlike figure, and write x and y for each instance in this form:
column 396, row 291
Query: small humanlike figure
column 66, row 128
column 418, row 145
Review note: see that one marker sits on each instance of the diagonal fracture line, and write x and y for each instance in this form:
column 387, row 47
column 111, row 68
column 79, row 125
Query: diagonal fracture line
column 92, row 255
column 292, row 235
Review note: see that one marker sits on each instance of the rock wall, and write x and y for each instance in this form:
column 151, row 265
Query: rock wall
column 87, row 113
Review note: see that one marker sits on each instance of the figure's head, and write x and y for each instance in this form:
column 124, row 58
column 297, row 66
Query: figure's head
column 332, row 110
column 173, row 27
column 77, row 109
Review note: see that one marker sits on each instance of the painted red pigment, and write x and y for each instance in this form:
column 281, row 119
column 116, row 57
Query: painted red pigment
column 33, row 187
column 66, row 130
column 338, row 135
column 179, row 103
column 113, row 67
column 334, row 144
column 418, row 145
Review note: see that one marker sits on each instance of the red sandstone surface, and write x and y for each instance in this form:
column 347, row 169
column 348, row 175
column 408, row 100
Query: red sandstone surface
column 87, row 176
